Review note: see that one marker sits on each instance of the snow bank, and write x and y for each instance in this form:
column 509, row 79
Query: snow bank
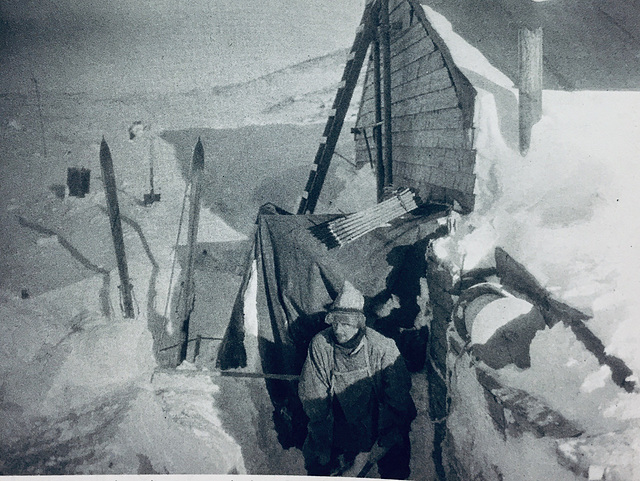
column 76, row 392
column 486, row 450
column 565, row 211
column 79, row 398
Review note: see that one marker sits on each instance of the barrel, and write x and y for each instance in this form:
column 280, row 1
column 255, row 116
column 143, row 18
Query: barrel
column 78, row 181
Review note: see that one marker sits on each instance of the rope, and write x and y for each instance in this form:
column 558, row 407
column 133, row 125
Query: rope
column 352, row 164
column 175, row 249
column 106, row 283
column 366, row 141
column 363, row 131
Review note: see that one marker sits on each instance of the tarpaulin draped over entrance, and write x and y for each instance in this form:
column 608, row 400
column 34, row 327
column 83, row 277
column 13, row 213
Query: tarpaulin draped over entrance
column 299, row 277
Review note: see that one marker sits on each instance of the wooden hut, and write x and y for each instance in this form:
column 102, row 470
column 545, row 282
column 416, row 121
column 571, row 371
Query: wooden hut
column 431, row 112
column 415, row 120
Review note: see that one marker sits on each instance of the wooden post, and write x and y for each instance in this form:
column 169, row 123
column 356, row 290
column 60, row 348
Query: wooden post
column 530, row 83
column 386, row 81
column 41, row 118
column 377, row 129
column 188, row 297
column 151, row 197
column 109, row 180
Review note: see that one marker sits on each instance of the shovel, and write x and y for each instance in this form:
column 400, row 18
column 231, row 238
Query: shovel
column 374, row 457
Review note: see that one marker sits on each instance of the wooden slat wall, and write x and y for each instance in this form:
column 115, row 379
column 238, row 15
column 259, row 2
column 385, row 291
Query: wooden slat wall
column 432, row 108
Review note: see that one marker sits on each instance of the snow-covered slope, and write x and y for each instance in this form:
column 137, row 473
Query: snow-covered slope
column 77, row 390
column 112, row 48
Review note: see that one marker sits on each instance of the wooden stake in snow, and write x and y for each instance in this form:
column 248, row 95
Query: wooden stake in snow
column 188, row 297
column 530, row 83
column 151, row 197
column 41, row 117
column 109, row 181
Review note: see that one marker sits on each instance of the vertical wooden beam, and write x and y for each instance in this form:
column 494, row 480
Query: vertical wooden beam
column 364, row 35
column 530, row 82
column 188, row 298
column 385, row 41
column 377, row 129
column 109, row 180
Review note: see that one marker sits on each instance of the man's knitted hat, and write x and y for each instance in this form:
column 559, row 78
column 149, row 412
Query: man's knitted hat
column 349, row 299
column 348, row 306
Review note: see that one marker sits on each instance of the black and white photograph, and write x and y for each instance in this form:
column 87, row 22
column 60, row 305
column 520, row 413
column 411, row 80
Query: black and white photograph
column 289, row 239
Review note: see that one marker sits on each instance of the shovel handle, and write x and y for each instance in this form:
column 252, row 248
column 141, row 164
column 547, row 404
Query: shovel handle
column 372, row 460
column 365, row 469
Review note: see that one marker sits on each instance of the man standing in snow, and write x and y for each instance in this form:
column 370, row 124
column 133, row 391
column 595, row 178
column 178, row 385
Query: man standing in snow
column 354, row 388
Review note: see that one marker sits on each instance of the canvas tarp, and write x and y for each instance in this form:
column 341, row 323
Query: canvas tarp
column 299, row 276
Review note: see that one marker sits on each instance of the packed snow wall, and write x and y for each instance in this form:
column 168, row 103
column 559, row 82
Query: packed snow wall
column 517, row 381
